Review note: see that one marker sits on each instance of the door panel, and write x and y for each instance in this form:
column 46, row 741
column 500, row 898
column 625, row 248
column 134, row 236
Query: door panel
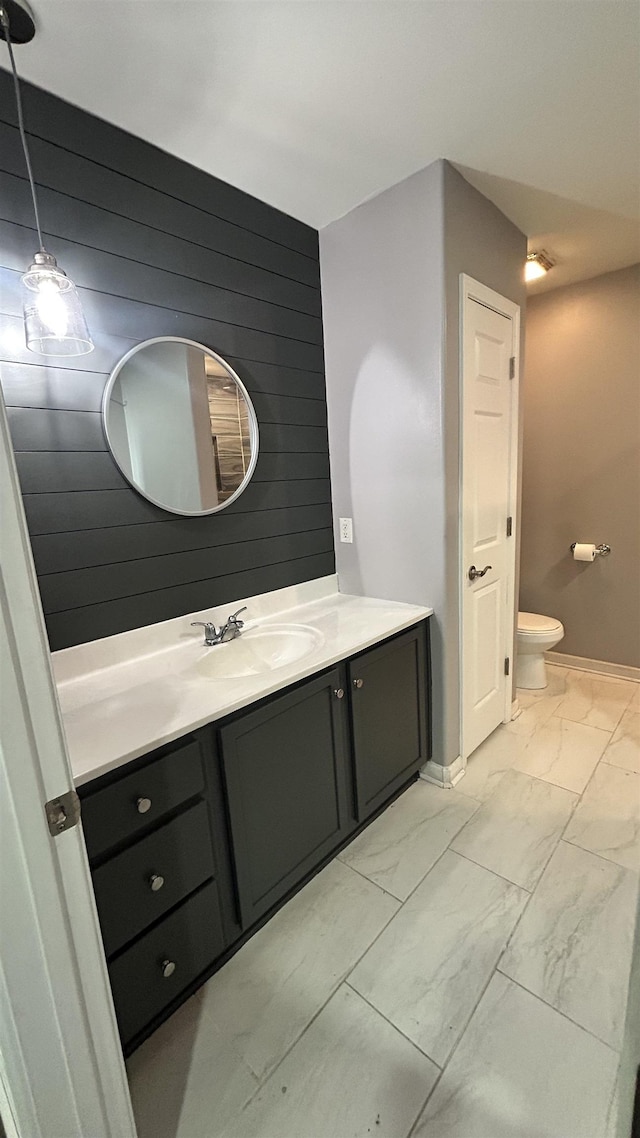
column 487, row 409
column 486, row 616
column 488, row 509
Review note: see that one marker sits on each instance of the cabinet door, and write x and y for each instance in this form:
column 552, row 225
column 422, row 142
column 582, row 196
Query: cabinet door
column 285, row 770
column 389, row 705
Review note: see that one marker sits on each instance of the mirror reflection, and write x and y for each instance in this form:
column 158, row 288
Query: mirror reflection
column 180, row 425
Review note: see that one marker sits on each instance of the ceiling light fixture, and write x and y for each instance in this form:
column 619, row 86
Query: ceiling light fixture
column 537, row 265
column 54, row 322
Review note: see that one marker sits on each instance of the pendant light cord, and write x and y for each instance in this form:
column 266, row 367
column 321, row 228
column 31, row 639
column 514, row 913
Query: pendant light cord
column 4, row 20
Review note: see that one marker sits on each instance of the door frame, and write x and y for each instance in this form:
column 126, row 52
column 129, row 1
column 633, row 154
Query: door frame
column 471, row 289
column 61, row 1063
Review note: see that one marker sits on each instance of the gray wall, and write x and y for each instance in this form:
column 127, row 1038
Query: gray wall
column 581, row 478
column 481, row 242
column 157, row 248
column 390, row 278
column 382, row 272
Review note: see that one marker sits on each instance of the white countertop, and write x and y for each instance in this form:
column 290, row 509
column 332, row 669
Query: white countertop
column 126, row 695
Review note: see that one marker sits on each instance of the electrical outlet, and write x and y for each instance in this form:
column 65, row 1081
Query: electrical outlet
column 346, row 529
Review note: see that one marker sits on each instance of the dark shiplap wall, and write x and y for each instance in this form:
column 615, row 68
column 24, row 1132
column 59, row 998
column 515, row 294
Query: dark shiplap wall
column 157, row 248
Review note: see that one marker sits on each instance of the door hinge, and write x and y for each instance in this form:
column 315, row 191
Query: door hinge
column 512, row 367
column 507, row 665
column 509, row 526
column 62, row 813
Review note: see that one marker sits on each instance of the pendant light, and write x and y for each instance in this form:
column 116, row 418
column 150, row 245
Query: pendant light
column 54, row 322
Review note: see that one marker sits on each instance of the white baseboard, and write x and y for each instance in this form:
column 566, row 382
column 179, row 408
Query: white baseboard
column 516, row 710
column 444, row 777
column 603, row 667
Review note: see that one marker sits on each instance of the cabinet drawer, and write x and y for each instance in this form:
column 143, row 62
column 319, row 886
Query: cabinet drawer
column 190, row 938
column 125, row 807
column 137, row 886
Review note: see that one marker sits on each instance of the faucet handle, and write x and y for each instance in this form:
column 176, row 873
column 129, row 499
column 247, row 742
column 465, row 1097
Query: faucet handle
column 233, row 619
column 209, row 629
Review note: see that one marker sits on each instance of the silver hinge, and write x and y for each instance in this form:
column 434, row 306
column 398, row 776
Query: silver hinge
column 62, row 813
column 507, row 665
column 512, row 367
column 509, row 526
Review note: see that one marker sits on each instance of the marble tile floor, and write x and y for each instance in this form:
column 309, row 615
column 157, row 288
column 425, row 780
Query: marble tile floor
column 459, row 971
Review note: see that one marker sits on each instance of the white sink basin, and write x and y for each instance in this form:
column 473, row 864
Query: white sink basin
column 260, row 650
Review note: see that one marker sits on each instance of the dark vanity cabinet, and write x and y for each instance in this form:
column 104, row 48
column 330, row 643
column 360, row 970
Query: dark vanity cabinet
column 192, row 847
column 306, row 768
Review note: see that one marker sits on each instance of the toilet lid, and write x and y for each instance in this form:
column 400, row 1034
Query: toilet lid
column 533, row 622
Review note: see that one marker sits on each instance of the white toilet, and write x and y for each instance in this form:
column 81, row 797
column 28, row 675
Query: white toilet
column 536, row 635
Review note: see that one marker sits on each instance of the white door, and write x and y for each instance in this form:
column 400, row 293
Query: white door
column 61, row 1067
column 488, row 484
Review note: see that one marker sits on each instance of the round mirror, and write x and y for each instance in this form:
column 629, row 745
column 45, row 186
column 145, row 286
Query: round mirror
column 180, row 425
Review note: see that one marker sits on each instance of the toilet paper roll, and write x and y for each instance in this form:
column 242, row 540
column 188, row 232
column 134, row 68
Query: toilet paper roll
column 584, row 552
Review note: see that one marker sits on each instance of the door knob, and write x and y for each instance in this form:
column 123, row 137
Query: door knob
column 473, row 572
column 339, row 693
column 142, row 805
column 358, row 683
column 168, row 968
column 156, row 881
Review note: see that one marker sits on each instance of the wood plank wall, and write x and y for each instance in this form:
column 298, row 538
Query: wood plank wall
column 157, row 247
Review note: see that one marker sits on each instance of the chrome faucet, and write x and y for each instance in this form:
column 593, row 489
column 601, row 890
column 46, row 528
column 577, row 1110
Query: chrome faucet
column 231, row 628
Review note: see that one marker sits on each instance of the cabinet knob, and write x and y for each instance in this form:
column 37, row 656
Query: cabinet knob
column 168, row 968
column 156, row 881
column 142, row 805
column 358, row 683
column 339, row 693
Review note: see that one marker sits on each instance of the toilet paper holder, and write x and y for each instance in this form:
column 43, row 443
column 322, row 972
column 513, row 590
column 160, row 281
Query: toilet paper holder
column 601, row 550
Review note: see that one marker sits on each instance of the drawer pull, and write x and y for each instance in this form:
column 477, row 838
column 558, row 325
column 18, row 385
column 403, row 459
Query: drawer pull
column 358, row 683
column 339, row 693
column 168, row 968
column 143, row 805
column 156, row 881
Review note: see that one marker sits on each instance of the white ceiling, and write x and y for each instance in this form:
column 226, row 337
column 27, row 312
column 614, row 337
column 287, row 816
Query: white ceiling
column 316, row 106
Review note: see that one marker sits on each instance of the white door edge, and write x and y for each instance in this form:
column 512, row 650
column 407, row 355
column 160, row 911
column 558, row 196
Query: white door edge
column 475, row 290
column 61, row 1066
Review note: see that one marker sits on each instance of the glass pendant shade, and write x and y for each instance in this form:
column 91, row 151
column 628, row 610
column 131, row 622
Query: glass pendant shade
column 53, row 318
